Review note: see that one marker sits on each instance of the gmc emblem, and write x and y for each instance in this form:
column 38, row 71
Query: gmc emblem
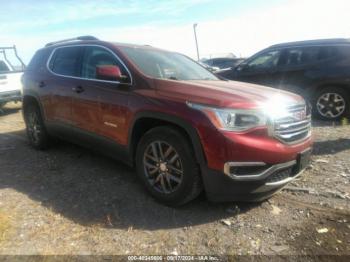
column 299, row 115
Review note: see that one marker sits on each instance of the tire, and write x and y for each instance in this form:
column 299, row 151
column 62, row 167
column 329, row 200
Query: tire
column 331, row 103
column 176, row 180
column 35, row 127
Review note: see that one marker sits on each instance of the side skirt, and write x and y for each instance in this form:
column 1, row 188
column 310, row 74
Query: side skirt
column 90, row 140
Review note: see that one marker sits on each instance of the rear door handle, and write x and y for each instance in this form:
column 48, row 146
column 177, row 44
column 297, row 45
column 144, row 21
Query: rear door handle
column 78, row 89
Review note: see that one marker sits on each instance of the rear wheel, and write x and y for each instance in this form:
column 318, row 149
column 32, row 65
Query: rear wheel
column 167, row 167
column 331, row 103
column 36, row 131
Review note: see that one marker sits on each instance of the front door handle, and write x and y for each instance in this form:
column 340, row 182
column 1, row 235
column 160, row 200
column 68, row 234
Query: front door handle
column 42, row 84
column 78, row 89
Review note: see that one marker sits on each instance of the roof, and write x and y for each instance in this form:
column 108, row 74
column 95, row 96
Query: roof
column 93, row 40
column 314, row 42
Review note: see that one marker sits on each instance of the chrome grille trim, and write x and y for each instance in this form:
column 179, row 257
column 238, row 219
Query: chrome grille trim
column 292, row 129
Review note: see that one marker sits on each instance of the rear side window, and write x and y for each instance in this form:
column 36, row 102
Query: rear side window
column 302, row 56
column 3, row 67
column 65, row 61
column 328, row 52
column 344, row 51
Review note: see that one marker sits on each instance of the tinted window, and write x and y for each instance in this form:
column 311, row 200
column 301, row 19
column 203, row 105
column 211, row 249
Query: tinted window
column 3, row 67
column 65, row 61
column 96, row 56
column 38, row 61
column 328, row 52
column 343, row 51
column 265, row 61
column 301, row 55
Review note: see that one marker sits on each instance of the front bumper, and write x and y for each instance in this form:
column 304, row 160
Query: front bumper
column 255, row 184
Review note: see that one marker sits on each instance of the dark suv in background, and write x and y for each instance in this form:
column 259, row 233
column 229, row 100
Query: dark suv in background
column 319, row 70
column 223, row 62
column 182, row 127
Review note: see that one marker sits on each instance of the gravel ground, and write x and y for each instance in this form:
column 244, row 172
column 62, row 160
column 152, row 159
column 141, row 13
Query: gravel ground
column 69, row 200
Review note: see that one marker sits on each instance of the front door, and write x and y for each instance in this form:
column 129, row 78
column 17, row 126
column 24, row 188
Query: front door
column 260, row 69
column 100, row 106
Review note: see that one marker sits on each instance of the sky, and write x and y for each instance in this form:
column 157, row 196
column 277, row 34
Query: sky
column 241, row 27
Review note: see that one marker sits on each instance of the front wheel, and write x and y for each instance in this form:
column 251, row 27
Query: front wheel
column 166, row 165
column 331, row 103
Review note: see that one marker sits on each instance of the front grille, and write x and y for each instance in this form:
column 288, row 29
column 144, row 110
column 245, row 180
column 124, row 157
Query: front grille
column 294, row 127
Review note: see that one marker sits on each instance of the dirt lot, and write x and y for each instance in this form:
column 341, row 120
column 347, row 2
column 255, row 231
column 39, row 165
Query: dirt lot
column 69, row 200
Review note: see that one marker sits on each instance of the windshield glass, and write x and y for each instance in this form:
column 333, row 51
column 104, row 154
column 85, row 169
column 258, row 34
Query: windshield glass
column 167, row 65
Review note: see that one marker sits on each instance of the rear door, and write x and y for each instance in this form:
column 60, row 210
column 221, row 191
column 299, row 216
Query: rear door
column 64, row 66
column 295, row 64
column 100, row 107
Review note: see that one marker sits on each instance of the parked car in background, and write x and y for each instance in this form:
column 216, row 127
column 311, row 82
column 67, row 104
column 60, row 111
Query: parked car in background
column 10, row 77
column 319, row 70
column 223, row 62
column 182, row 127
column 210, row 68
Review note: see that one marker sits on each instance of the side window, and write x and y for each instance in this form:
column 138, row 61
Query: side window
column 328, row 52
column 266, row 60
column 95, row 56
column 294, row 57
column 301, row 55
column 65, row 61
column 343, row 51
column 3, row 67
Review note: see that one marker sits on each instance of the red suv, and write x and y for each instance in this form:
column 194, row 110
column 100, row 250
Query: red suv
column 184, row 129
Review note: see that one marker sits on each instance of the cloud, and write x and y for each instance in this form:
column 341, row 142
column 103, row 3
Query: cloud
column 35, row 15
column 248, row 32
column 242, row 34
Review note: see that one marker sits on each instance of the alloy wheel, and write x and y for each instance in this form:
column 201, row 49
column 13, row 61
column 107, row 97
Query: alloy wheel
column 163, row 167
column 331, row 105
column 34, row 127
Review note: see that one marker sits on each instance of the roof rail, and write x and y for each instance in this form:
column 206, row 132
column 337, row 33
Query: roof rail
column 80, row 38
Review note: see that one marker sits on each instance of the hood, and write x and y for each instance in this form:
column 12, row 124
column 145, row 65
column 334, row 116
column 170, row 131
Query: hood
column 226, row 94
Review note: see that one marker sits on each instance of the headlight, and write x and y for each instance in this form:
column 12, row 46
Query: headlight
column 232, row 119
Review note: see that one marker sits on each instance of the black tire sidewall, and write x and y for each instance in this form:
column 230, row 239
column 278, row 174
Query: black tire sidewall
column 42, row 143
column 181, row 145
column 338, row 91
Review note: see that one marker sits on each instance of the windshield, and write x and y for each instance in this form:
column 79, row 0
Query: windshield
column 167, row 65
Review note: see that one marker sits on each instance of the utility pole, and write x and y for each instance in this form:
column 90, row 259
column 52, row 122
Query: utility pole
column 195, row 37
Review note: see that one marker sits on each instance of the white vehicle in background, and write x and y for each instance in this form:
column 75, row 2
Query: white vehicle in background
column 10, row 77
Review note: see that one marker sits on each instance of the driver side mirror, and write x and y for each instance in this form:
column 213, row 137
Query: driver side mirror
column 241, row 67
column 109, row 73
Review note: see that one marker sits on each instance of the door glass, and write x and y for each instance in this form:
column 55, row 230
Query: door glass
column 3, row 67
column 65, row 61
column 302, row 56
column 266, row 60
column 96, row 56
